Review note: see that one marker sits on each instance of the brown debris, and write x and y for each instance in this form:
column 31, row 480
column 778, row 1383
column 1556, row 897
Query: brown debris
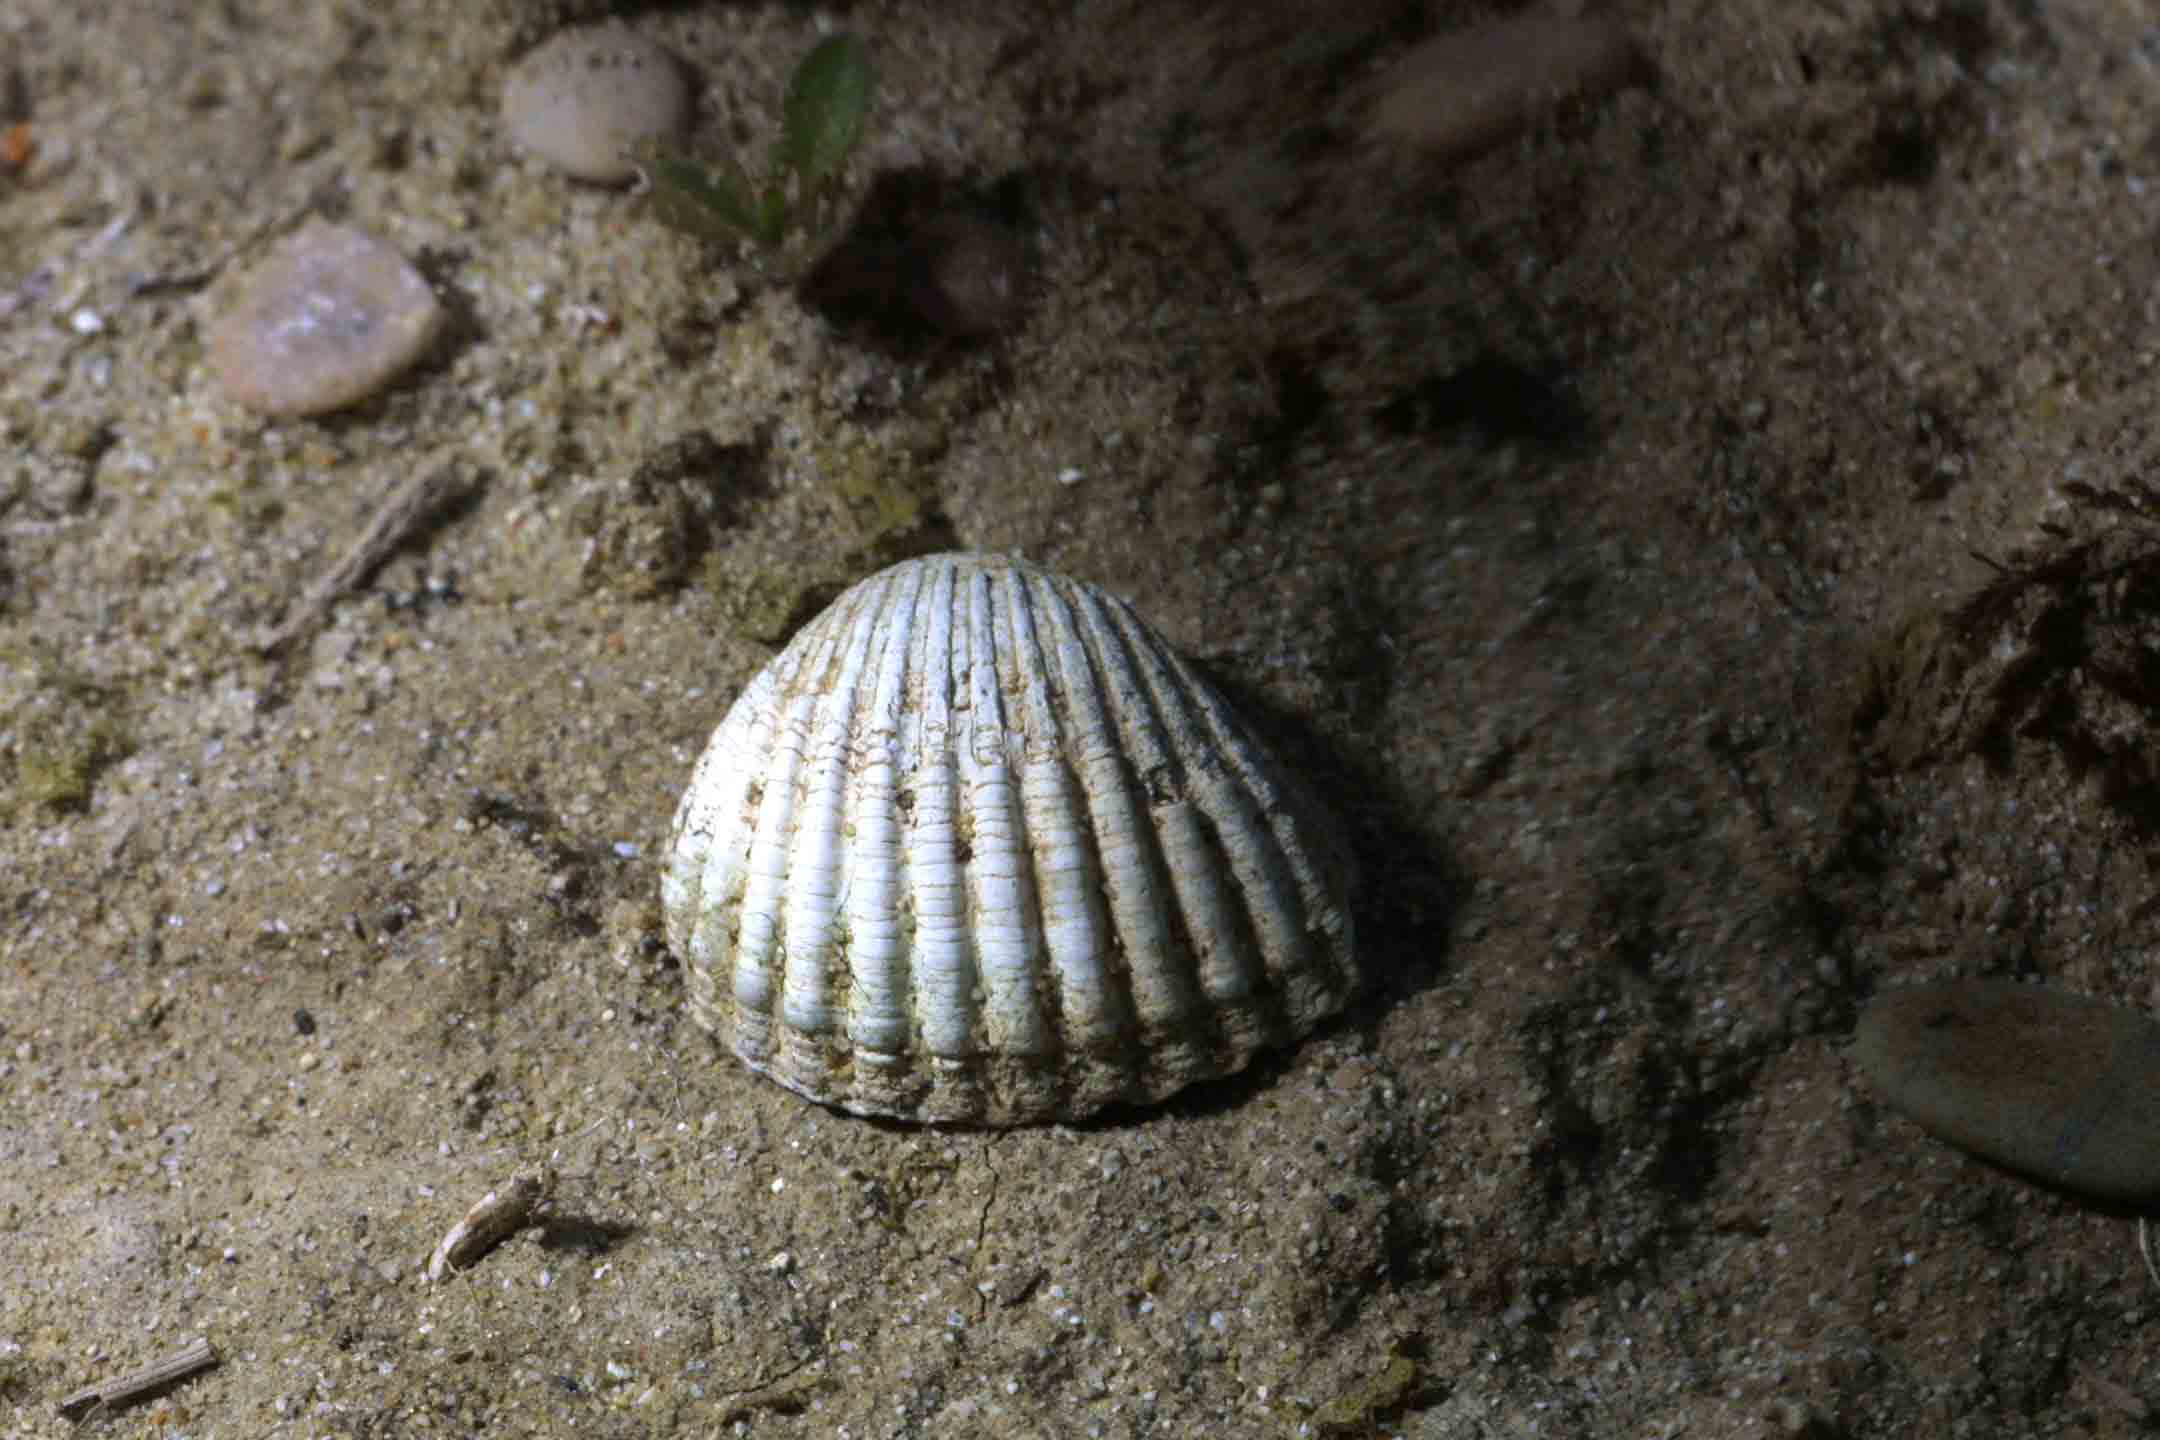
column 499, row 1215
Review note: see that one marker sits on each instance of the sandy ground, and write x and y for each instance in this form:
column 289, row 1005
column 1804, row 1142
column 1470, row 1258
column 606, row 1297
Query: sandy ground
column 1702, row 543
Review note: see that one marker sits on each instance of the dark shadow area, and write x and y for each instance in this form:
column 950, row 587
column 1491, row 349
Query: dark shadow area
column 1993, row 1212
column 1671, row 1087
column 581, row 1234
column 929, row 265
column 1497, row 397
column 1408, row 882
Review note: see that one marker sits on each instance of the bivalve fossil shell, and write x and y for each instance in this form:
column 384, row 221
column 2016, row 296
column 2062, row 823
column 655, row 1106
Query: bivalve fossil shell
column 978, row 846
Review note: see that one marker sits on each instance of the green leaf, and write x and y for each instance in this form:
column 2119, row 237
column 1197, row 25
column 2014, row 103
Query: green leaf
column 772, row 219
column 710, row 204
column 827, row 101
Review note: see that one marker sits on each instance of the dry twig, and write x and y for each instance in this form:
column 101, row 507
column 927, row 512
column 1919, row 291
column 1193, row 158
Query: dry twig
column 403, row 513
column 140, row 1384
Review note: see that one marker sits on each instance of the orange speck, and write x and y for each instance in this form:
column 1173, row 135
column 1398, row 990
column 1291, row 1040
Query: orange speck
column 16, row 146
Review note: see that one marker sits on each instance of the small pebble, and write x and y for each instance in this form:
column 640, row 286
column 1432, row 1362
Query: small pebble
column 2052, row 1085
column 1468, row 89
column 330, row 318
column 581, row 100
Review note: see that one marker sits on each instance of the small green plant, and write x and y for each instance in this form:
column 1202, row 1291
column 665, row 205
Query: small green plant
column 827, row 100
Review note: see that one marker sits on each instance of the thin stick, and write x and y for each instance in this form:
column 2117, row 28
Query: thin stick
column 2145, row 1250
column 408, row 507
column 138, row 1384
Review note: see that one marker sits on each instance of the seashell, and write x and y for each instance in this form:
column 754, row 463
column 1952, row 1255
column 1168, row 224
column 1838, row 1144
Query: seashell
column 978, row 846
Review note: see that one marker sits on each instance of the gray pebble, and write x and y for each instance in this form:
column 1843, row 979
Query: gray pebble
column 581, row 100
column 2053, row 1085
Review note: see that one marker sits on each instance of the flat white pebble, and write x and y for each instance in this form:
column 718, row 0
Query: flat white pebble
column 581, row 100
column 328, row 319
column 2057, row 1086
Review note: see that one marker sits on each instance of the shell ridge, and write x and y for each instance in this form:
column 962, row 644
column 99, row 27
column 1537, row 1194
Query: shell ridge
column 763, row 943
column 1191, row 852
column 714, row 878
column 1274, row 901
column 945, row 1001
column 1158, row 927
column 811, row 903
column 1086, row 994
column 1007, row 945
column 1208, row 837
column 1306, row 855
column 694, row 884
column 879, row 972
column 760, row 943
column 1118, row 740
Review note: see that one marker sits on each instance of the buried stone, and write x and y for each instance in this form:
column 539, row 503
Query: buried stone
column 2055, row 1086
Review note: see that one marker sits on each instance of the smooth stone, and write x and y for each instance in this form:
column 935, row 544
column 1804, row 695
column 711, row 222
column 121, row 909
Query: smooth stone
column 583, row 99
column 1466, row 90
column 330, row 317
column 2060, row 1087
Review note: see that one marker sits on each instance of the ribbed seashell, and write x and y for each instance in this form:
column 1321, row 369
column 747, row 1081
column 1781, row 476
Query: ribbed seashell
column 979, row 847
